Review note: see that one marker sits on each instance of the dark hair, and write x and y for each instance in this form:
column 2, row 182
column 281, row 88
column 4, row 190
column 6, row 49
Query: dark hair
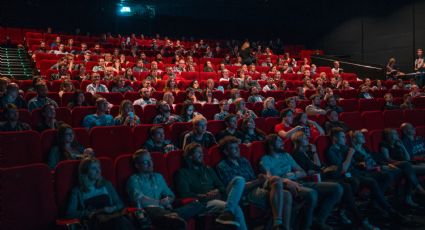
column 312, row 97
column 60, row 139
column 244, row 128
column 228, row 117
column 269, row 142
column 284, row 113
column 153, row 130
column 336, row 131
column 226, row 141
column 139, row 153
column 185, row 106
column 190, row 149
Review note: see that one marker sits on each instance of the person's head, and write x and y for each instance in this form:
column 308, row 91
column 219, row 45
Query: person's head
column 66, row 135
column 273, row 144
column 378, row 83
column 78, row 97
column 145, row 93
column 229, row 147
column 199, row 124
column 364, row 89
column 194, row 84
column 390, row 135
column 300, row 141
column 157, row 134
column 89, row 173
column 338, row 136
column 315, row 99
column 388, row 97
column 357, row 137
column 291, row 103
column 332, row 115
column 142, row 161
column 269, row 103
column 231, row 121
column 102, row 105
column 407, row 129
column 12, row 91
column 239, row 104
column 164, row 108
column 210, row 84
column 254, row 90
column 419, row 52
column 331, row 100
column 168, row 97
column 336, row 64
column 101, row 62
column 194, row 154
column 234, row 93
column 287, row 116
column 247, row 124
column 301, row 118
column 224, row 105
column 188, row 109
column 48, row 111
column 11, row 113
column 41, row 90
column 126, row 107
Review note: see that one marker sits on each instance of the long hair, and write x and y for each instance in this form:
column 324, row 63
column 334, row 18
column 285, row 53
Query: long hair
column 83, row 170
column 61, row 141
column 244, row 127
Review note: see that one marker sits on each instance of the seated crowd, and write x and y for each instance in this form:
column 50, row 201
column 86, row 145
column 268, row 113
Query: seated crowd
column 300, row 187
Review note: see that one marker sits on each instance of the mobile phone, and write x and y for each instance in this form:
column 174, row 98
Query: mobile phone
column 131, row 114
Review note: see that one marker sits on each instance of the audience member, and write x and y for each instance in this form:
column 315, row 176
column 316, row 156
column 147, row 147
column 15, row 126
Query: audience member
column 12, row 122
column 164, row 114
column 100, row 118
column 48, row 118
column 11, row 96
column 126, row 115
column 145, row 98
column 199, row 133
column 41, row 99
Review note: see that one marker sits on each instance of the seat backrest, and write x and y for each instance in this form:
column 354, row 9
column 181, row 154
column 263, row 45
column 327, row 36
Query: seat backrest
column 177, row 130
column 111, row 141
column 27, row 198
column 368, row 105
column 375, row 138
column 215, row 126
column 352, row 119
column 19, row 148
column 79, row 113
column 415, row 116
column 66, row 178
column 349, row 105
column 322, row 144
column 393, row 118
column 373, row 120
column 209, row 110
column 271, row 123
column 174, row 162
column 258, row 150
column 149, row 113
column 141, row 135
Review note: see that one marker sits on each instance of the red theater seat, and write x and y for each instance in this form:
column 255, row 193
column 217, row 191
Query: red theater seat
column 111, row 141
column 349, row 105
column 416, row 116
column 20, row 148
column 27, row 198
column 393, row 118
column 258, row 150
column 352, row 119
column 373, row 120
column 79, row 113
column 368, row 105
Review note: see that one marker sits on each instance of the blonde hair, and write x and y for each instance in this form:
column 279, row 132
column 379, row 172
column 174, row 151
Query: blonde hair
column 266, row 102
column 198, row 118
column 83, row 170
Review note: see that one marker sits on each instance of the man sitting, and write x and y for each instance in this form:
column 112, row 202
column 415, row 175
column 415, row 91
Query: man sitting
column 314, row 108
column 196, row 180
column 199, row 133
column 415, row 145
column 12, row 122
column 231, row 122
column 100, row 118
column 145, row 99
column 41, row 99
column 148, row 190
column 233, row 165
column 157, row 141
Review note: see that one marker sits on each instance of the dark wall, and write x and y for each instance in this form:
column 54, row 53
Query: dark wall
column 365, row 30
column 379, row 30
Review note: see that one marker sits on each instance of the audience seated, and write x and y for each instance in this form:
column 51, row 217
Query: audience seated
column 224, row 111
column 314, row 108
column 389, row 102
column 364, row 92
column 188, row 112
column 95, row 195
column 145, row 99
column 164, row 115
column 12, row 122
column 149, row 190
column 231, row 122
column 310, row 128
column 250, row 132
column 199, row 134
column 48, row 118
column 285, row 128
column 255, row 96
column 126, row 115
column 415, row 145
column 278, row 163
column 11, row 96
column 100, row 118
column 242, row 111
column 332, row 105
column 196, row 180
column 234, row 165
column 77, row 100
column 41, row 99
column 269, row 109
column 96, row 86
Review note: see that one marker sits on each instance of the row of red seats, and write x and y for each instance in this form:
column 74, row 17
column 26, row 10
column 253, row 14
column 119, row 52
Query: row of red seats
column 118, row 140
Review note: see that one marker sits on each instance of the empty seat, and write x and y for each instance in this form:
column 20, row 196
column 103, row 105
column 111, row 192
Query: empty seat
column 177, row 131
column 141, row 135
column 368, row 105
column 209, row 110
column 322, row 144
column 27, row 198
column 62, row 114
column 19, row 148
column 416, row 116
column 271, row 123
column 79, row 113
column 393, row 118
column 258, row 150
column 419, row 102
column 352, row 119
column 374, row 140
column 113, row 98
column 373, row 120
column 111, row 141
column 215, row 126
column 149, row 113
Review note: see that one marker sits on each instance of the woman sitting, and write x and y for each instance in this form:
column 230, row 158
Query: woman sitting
column 310, row 128
column 188, row 112
column 209, row 98
column 67, row 147
column 48, row 118
column 242, row 111
column 77, row 100
column 269, row 109
column 127, row 116
column 251, row 133
column 95, row 199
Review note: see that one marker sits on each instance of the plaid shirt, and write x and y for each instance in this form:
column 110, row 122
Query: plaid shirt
column 227, row 170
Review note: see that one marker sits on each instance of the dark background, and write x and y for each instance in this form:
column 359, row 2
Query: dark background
column 369, row 31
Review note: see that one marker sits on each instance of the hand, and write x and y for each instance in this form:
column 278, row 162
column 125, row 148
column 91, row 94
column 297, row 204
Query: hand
column 313, row 148
column 291, row 175
column 214, row 194
column 88, row 152
column 292, row 186
column 166, row 202
column 351, row 151
column 299, row 127
column 109, row 209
